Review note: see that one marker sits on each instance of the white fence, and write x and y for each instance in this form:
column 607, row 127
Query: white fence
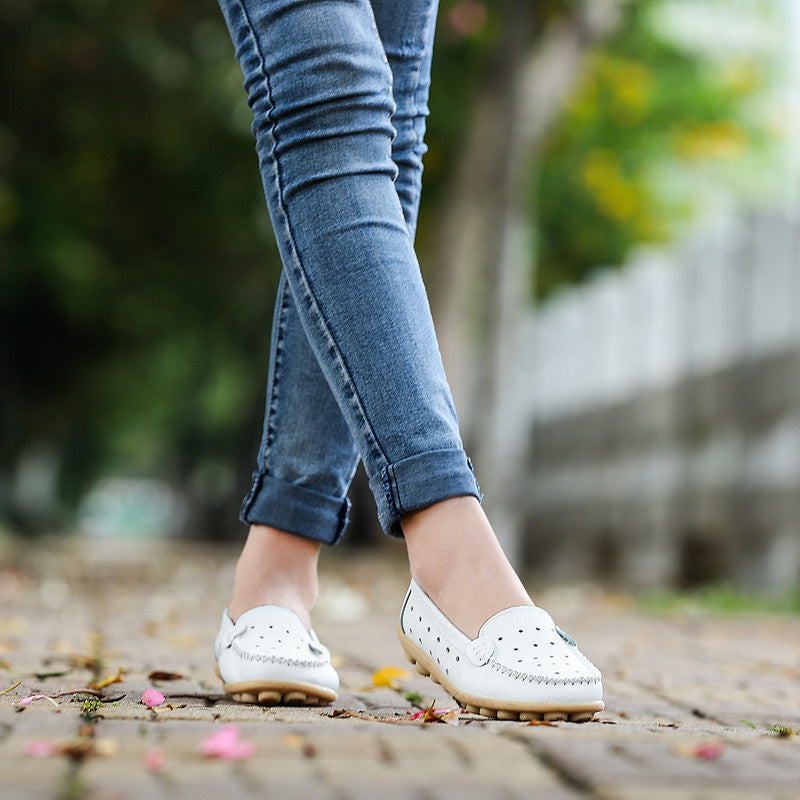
column 663, row 402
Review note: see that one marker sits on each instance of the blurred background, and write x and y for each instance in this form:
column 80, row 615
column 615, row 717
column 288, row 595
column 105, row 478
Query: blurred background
column 609, row 233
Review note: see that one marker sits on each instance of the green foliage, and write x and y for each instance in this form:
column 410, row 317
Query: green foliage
column 137, row 267
column 621, row 167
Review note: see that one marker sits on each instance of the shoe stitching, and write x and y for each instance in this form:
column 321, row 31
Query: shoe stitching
column 540, row 679
column 292, row 662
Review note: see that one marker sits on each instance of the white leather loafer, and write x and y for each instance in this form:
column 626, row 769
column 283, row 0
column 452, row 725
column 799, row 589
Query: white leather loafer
column 269, row 657
column 521, row 666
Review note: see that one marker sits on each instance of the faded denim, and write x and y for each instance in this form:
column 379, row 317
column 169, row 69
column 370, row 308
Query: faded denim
column 338, row 91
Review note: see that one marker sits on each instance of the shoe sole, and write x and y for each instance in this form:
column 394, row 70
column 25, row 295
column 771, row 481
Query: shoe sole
column 548, row 712
column 277, row 693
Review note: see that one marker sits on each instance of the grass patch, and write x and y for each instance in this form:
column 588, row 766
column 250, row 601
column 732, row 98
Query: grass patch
column 720, row 598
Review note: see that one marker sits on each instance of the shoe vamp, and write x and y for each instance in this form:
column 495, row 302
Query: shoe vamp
column 278, row 646
column 529, row 644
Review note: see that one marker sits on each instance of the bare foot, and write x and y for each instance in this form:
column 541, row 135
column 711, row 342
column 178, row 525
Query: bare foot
column 276, row 568
column 457, row 561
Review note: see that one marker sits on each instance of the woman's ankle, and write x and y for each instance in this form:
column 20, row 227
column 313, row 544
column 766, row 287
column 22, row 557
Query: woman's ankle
column 457, row 561
column 276, row 568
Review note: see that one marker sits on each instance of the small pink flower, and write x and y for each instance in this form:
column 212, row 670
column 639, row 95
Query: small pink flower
column 152, row 698
column 40, row 748
column 226, row 745
column 154, row 761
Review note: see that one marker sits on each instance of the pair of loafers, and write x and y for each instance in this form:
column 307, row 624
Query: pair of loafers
column 520, row 666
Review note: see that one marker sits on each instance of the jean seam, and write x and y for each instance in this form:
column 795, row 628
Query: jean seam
column 387, row 491
column 276, row 361
column 356, row 401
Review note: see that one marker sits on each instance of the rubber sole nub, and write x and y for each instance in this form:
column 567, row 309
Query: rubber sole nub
column 278, row 693
column 524, row 712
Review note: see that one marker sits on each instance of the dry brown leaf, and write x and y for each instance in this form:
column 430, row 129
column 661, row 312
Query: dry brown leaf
column 431, row 714
column 108, row 680
column 162, row 675
column 545, row 722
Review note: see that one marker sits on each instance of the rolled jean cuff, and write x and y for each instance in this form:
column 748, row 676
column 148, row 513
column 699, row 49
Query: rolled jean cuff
column 420, row 481
column 295, row 509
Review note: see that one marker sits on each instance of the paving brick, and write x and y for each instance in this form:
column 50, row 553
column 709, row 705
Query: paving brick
column 671, row 681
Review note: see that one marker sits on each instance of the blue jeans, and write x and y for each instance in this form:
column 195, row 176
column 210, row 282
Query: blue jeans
column 338, row 91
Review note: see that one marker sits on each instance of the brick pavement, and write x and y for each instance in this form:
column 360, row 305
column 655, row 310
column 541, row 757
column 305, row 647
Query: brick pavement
column 677, row 688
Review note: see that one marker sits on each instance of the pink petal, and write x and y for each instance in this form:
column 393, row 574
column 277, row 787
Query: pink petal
column 26, row 701
column 152, row 697
column 709, row 750
column 154, row 761
column 226, row 745
column 39, row 748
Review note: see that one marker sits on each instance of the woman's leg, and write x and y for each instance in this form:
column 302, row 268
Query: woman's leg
column 320, row 89
column 397, row 399
column 307, row 455
column 319, row 85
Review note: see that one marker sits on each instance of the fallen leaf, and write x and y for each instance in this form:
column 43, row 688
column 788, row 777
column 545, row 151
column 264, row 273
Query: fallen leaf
column 226, row 745
column 389, row 676
column 159, row 675
column 544, row 722
column 77, row 748
column 152, row 698
column 784, row 730
column 107, row 681
column 82, row 748
column 415, row 698
column 154, row 761
column 431, row 714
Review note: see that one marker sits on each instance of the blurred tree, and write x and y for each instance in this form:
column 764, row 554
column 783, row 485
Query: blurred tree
column 581, row 113
column 136, row 267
